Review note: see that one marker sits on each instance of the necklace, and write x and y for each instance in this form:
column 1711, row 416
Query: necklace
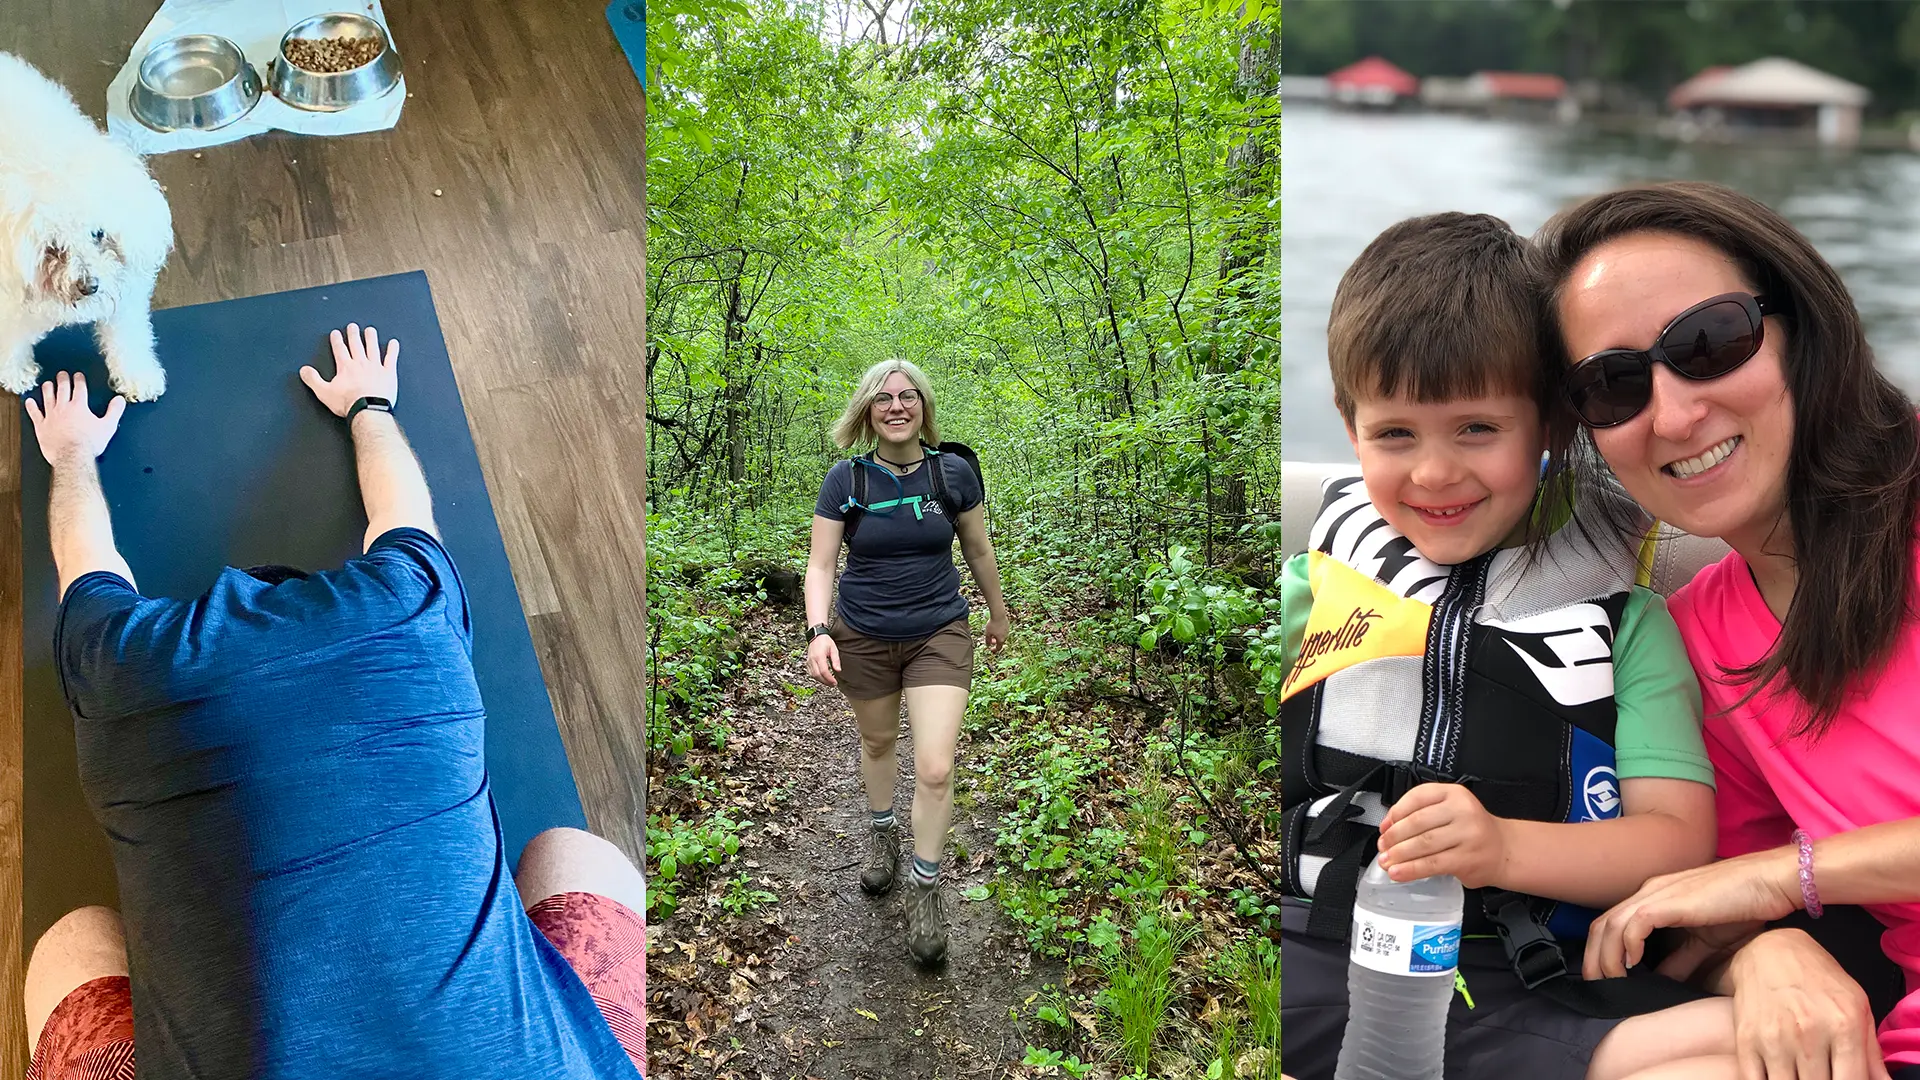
column 906, row 466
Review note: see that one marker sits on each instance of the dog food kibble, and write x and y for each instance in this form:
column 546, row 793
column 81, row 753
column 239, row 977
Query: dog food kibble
column 329, row 55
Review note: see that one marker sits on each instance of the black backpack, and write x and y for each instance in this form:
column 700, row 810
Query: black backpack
column 855, row 509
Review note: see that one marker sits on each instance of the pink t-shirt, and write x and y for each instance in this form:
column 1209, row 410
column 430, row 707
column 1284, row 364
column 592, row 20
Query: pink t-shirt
column 1864, row 771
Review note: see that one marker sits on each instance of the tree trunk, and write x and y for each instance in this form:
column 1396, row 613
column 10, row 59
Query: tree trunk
column 1249, row 168
column 739, row 385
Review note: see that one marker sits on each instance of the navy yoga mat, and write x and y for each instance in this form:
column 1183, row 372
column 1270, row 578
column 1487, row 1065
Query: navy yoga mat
column 629, row 21
column 238, row 465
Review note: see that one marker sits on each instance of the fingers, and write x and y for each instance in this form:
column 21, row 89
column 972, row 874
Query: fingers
column 372, row 352
column 1603, row 948
column 1412, row 826
column 33, row 411
column 393, row 353
column 1633, row 935
column 1849, row 1058
column 1422, row 796
column 1441, row 862
column 63, row 388
column 115, row 410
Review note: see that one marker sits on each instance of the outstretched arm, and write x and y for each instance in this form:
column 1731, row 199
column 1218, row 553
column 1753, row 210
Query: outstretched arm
column 71, row 438
column 391, row 483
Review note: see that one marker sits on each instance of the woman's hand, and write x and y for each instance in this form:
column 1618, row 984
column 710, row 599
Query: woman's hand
column 1798, row 1016
column 1759, row 887
column 823, row 659
column 1442, row 829
column 999, row 628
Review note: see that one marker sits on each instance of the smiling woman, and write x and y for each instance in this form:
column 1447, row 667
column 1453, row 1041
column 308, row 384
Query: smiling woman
column 899, row 628
column 1767, row 425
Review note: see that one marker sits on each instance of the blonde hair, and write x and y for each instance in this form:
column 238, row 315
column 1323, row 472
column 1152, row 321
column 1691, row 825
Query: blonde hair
column 855, row 426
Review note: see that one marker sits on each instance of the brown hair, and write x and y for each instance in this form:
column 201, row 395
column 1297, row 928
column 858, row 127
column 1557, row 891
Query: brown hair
column 1853, row 473
column 1440, row 308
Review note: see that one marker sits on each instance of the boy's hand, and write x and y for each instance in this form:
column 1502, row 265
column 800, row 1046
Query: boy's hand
column 1442, row 829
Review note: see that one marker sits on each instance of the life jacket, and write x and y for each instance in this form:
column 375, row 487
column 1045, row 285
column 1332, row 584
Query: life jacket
column 1496, row 673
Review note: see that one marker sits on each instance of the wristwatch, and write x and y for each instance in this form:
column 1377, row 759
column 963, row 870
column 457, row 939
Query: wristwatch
column 818, row 630
column 377, row 404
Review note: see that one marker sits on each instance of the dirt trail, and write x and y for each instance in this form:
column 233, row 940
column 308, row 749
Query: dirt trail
column 785, row 990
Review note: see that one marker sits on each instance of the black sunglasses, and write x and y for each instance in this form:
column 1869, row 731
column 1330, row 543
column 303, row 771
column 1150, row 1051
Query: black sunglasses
column 1706, row 341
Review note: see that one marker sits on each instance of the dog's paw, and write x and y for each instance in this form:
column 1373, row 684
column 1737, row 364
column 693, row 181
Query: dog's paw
column 146, row 384
column 18, row 381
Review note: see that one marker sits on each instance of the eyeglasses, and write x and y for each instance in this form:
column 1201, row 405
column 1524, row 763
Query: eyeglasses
column 1706, row 341
column 908, row 399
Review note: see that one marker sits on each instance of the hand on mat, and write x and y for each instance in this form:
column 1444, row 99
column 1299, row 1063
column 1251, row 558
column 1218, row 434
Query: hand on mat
column 998, row 630
column 68, row 431
column 1797, row 1014
column 1442, row 829
column 358, row 370
column 823, row 659
column 1762, row 886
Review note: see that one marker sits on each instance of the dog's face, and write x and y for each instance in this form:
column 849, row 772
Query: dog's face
column 77, row 269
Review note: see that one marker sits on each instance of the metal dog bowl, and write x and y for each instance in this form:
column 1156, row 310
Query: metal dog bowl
column 198, row 82
column 318, row 91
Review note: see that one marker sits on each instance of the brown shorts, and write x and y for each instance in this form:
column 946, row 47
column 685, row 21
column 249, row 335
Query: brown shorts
column 871, row 668
column 90, row 1034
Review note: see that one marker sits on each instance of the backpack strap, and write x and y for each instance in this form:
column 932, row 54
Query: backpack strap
column 856, row 507
column 938, row 462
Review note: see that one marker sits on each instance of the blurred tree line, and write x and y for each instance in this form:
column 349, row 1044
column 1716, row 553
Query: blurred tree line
column 1648, row 45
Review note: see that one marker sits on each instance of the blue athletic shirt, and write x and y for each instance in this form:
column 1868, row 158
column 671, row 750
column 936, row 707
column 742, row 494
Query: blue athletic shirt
column 900, row 583
column 293, row 782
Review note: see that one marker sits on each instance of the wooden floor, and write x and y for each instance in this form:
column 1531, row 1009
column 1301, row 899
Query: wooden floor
column 529, row 121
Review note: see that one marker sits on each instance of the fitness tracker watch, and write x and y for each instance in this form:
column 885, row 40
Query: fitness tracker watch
column 377, row 404
column 818, row 630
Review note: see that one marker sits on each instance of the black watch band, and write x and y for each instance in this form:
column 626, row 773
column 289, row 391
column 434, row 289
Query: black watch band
column 377, row 404
column 818, row 630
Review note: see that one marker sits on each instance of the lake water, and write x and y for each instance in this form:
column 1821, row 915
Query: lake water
column 1346, row 176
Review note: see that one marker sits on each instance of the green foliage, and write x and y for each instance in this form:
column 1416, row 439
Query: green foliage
column 679, row 853
column 1140, row 987
column 1066, row 211
column 1053, row 1062
column 741, row 896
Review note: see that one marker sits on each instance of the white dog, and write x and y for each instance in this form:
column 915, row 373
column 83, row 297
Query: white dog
column 83, row 233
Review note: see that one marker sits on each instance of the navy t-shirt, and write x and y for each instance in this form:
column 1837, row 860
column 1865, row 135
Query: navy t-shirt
column 293, row 782
column 901, row 583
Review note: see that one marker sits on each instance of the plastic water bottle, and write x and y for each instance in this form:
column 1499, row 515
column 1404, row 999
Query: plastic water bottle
column 1405, row 948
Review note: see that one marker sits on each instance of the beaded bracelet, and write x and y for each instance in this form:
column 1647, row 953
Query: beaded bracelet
column 1807, row 892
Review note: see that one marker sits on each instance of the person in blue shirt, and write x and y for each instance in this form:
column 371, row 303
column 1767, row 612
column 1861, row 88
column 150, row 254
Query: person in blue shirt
column 899, row 620
column 291, row 772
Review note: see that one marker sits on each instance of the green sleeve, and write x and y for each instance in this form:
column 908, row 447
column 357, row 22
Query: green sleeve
column 1657, row 697
column 1296, row 603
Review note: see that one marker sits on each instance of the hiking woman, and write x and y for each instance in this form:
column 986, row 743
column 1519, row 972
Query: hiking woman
column 899, row 623
column 1719, row 365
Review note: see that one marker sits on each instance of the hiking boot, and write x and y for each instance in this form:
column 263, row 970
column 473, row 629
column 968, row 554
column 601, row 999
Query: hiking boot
column 926, row 928
column 883, row 860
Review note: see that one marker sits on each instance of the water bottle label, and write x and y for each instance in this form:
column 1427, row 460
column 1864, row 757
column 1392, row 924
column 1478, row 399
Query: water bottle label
column 1403, row 947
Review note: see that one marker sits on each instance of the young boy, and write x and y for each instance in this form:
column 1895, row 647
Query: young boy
column 1478, row 687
